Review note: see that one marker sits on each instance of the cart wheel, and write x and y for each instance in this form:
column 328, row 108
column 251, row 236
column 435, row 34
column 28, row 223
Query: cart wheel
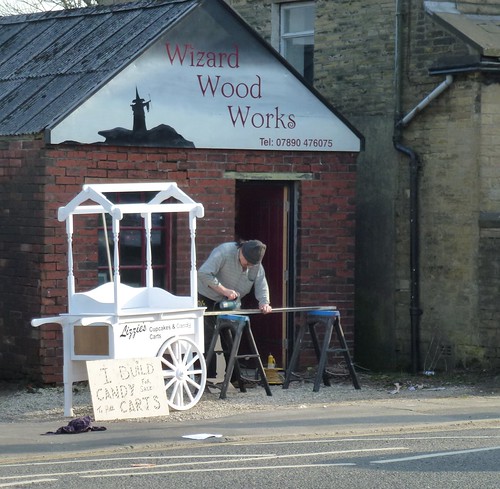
column 185, row 372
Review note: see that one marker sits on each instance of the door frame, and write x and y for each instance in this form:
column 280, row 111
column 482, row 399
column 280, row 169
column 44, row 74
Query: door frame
column 289, row 192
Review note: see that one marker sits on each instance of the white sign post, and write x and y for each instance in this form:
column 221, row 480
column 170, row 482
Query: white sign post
column 127, row 388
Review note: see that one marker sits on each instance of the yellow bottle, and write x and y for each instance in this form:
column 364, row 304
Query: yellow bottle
column 271, row 362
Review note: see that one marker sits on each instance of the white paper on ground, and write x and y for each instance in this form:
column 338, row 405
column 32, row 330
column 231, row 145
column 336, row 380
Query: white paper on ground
column 201, row 436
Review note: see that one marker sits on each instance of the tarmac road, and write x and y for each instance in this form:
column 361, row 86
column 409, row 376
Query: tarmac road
column 450, row 459
column 450, row 443
column 27, row 441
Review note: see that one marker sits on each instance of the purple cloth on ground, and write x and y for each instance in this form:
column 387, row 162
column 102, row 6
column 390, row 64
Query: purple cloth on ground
column 78, row 425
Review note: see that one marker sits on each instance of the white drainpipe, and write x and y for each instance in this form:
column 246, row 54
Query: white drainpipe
column 427, row 100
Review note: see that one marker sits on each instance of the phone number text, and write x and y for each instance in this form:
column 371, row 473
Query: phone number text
column 296, row 142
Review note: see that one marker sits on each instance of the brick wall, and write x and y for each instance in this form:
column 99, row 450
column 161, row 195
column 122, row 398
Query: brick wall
column 325, row 247
column 21, row 244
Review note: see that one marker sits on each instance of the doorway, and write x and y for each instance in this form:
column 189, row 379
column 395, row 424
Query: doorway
column 263, row 212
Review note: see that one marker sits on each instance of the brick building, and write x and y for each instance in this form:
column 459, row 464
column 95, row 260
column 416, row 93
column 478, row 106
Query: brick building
column 182, row 91
column 421, row 81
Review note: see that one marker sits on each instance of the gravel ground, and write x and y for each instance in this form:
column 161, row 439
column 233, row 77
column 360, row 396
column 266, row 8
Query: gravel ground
column 24, row 402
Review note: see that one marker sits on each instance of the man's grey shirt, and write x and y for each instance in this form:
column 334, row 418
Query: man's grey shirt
column 223, row 267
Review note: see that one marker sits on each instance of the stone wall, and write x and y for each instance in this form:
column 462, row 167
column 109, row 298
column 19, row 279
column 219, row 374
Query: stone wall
column 488, row 320
column 456, row 137
column 446, row 137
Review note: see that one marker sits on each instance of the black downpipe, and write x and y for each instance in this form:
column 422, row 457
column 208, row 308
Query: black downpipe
column 400, row 123
column 415, row 310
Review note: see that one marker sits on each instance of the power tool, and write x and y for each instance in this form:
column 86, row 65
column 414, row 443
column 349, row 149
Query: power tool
column 230, row 305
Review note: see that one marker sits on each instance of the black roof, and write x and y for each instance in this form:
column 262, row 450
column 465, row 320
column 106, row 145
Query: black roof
column 53, row 61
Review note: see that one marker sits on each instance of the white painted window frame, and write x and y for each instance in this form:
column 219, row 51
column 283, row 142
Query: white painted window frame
column 278, row 36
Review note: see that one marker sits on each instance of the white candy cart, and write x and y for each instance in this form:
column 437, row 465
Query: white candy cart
column 115, row 320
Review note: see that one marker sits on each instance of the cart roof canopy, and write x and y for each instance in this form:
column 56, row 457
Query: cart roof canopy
column 93, row 200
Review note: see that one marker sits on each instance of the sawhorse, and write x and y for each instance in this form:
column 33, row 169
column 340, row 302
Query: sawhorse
column 330, row 320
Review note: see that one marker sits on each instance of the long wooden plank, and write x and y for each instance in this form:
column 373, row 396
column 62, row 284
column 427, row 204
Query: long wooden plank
column 244, row 312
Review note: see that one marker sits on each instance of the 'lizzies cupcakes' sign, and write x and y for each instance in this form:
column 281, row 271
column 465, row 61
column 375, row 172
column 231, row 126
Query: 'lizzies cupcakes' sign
column 157, row 330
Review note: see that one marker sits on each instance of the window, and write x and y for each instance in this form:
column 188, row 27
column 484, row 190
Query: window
column 133, row 247
column 297, row 36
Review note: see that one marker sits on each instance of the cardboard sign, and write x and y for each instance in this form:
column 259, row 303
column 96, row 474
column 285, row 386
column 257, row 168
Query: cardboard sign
column 127, row 388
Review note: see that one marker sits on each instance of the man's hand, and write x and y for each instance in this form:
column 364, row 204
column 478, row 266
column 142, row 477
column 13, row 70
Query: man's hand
column 230, row 294
column 265, row 308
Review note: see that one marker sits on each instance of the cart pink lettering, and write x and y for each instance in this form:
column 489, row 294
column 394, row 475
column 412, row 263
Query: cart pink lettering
column 199, row 59
column 185, row 325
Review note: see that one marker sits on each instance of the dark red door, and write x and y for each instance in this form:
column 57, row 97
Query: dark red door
column 262, row 213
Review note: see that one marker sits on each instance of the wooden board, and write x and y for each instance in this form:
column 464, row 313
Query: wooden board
column 244, row 312
column 91, row 340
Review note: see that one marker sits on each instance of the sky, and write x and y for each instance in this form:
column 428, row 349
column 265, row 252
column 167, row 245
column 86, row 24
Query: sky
column 24, row 5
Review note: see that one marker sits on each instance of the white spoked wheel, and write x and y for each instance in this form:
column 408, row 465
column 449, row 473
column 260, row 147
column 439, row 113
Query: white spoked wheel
column 185, row 372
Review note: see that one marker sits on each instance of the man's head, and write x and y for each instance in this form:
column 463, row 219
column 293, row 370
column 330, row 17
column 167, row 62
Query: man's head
column 253, row 251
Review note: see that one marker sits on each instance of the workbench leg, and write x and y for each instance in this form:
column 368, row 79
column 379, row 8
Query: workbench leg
column 260, row 367
column 295, row 356
column 235, row 339
column 320, row 351
column 321, row 373
column 347, row 356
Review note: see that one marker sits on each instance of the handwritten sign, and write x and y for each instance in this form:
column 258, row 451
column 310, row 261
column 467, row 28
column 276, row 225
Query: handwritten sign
column 127, row 388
